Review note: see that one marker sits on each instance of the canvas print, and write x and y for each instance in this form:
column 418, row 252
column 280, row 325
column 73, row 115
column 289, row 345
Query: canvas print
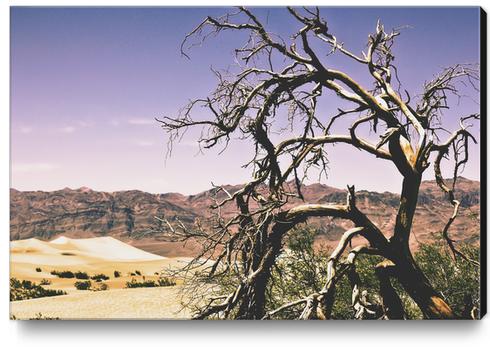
column 262, row 163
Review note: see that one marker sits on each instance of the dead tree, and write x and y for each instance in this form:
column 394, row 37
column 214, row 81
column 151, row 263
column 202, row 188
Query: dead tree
column 283, row 81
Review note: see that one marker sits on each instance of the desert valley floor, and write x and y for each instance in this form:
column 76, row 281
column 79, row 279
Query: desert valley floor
column 98, row 233
column 94, row 256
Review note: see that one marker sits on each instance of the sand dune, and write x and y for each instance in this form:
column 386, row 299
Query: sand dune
column 33, row 259
column 81, row 250
column 94, row 255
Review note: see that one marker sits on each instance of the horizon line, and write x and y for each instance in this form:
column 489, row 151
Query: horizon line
column 82, row 188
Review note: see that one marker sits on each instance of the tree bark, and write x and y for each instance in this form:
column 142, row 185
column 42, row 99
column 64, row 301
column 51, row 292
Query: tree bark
column 253, row 305
column 408, row 272
column 421, row 291
column 392, row 304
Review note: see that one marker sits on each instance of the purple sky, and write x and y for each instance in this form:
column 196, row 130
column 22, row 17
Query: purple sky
column 87, row 83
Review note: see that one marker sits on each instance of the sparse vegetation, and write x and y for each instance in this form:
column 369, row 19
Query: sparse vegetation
column 117, row 274
column 458, row 282
column 88, row 285
column 138, row 273
column 83, row 285
column 161, row 282
column 63, row 274
column 135, row 284
column 24, row 290
column 45, row 282
column 99, row 277
column 81, row 275
column 166, row 282
column 101, row 286
column 39, row 316
column 38, row 269
column 302, row 268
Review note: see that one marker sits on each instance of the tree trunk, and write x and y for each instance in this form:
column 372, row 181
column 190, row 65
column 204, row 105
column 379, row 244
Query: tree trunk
column 421, row 291
column 408, row 273
column 267, row 248
column 392, row 304
column 253, row 304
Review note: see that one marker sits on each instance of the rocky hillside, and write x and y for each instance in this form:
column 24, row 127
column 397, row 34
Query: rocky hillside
column 130, row 215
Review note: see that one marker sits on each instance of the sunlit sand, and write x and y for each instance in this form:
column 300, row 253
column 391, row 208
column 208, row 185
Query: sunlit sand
column 94, row 256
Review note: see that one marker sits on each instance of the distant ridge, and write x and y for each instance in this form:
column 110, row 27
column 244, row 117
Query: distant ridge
column 130, row 215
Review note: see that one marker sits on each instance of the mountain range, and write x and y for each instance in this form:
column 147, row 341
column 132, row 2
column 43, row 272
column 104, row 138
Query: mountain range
column 130, row 215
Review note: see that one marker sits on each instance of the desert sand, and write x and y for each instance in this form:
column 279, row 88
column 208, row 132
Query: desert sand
column 138, row 303
column 94, row 256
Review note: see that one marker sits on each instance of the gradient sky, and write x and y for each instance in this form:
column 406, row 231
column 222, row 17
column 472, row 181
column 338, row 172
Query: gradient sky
column 86, row 84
